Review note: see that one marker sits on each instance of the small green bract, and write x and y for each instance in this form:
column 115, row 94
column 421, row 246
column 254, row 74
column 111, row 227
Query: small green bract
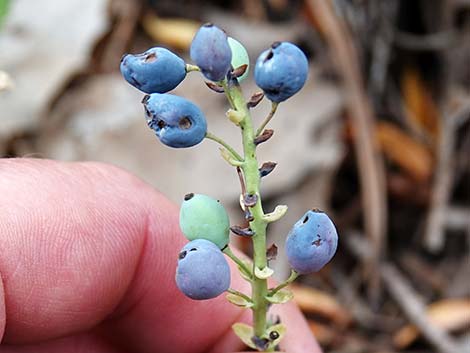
column 202, row 217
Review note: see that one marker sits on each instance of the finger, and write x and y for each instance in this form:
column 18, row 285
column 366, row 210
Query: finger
column 71, row 236
column 107, row 252
column 77, row 344
column 2, row 309
column 87, row 242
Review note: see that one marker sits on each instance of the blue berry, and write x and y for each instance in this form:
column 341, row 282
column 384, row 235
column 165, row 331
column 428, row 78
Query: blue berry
column 157, row 70
column 203, row 271
column 211, row 52
column 202, row 217
column 176, row 121
column 281, row 71
column 312, row 242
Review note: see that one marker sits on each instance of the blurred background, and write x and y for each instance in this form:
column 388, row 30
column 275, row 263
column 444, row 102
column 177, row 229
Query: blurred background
column 379, row 137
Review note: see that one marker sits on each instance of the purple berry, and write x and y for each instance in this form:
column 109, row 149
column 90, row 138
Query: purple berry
column 158, row 70
column 176, row 121
column 203, row 271
column 281, row 71
column 211, row 52
column 312, row 242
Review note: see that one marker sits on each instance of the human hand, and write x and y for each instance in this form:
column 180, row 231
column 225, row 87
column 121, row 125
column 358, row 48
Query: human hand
column 88, row 256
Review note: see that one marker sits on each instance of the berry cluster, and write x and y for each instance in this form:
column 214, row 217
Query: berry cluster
column 202, row 270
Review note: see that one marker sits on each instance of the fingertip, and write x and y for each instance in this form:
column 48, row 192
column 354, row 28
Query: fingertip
column 2, row 310
column 73, row 234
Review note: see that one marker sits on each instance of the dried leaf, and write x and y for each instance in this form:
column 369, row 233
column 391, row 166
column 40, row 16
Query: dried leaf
column 265, row 136
column 214, row 86
column 414, row 157
column 323, row 333
column 241, row 201
column 244, row 232
column 255, row 99
column 271, row 252
column 421, row 110
column 448, row 314
column 174, row 32
column 239, row 71
column 267, row 168
column 57, row 57
column 313, row 301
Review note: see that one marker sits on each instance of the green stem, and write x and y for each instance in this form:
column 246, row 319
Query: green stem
column 229, row 148
column 258, row 225
column 293, row 276
column 268, row 118
column 227, row 93
column 227, row 251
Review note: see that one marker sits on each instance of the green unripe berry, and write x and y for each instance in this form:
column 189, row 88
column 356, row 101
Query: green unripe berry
column 239, row 56
column 202, row 217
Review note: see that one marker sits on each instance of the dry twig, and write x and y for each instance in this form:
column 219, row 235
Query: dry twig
column 370, row 161
column 406, row 297
column 434, row 238
column 409, row 301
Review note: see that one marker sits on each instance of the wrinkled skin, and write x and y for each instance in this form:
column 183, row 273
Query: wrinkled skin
column 176, row 121
column 312, row 242
column 203, row 271
column 88, row 264
column 211, row 52
column 202, row 217
column 281, row 71
column 157, row 70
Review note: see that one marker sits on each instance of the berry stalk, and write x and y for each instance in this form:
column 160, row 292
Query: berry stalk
column 258, row 224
